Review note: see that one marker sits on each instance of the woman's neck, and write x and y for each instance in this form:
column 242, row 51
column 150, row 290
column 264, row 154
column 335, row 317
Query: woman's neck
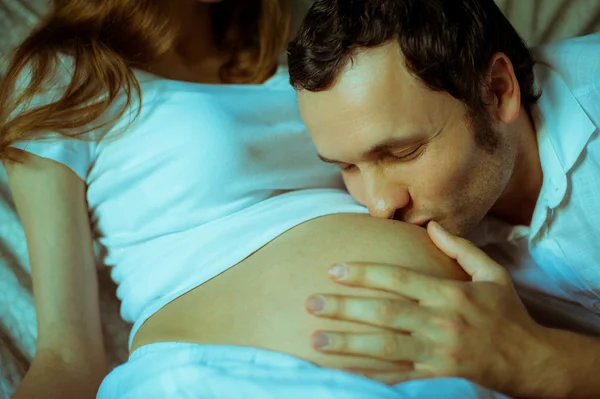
column 195, row 40
column 194, row 56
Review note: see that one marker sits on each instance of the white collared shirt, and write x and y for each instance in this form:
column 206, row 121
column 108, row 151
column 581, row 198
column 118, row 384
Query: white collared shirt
column 555, row 262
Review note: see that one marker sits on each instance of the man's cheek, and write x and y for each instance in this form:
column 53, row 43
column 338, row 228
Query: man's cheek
column 355, row 188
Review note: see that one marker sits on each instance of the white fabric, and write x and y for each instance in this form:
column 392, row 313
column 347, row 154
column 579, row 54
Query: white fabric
column 556, row 261
column 192, row 371
column 205, row 176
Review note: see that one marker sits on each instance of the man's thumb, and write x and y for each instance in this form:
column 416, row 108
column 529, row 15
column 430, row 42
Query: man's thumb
column 473, row 260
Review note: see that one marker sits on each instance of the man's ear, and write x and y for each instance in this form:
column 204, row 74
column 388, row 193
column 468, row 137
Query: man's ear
column 502, row 90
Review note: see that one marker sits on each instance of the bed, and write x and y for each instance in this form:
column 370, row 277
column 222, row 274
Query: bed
column 538, row 21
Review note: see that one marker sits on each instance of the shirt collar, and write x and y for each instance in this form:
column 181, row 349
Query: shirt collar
column 561, row 118
column 563, row 130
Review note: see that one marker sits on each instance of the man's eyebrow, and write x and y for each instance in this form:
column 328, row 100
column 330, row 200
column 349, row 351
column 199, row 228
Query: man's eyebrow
column 327, row 160
column 393, row 143
column 389, row 144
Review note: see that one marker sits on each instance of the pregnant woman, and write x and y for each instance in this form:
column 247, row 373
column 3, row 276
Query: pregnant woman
column 166, row 132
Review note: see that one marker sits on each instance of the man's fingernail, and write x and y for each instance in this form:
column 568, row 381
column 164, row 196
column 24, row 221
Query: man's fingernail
column 339, row 272
column 320, row 340
column 315, row 303
column 438, row 226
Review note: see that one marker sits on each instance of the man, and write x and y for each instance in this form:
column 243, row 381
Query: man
column 437, row 114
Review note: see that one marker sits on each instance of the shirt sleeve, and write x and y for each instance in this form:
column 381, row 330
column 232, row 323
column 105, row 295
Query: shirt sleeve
column 74, row 153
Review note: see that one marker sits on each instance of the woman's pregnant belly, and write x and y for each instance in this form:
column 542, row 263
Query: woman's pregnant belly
column 260, row 301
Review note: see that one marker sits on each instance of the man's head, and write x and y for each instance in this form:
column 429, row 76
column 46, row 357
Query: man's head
column 415, row 100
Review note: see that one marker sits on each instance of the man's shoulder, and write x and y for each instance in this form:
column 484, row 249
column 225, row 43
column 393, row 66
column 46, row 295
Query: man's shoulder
column 581, row 46
column 576, row 60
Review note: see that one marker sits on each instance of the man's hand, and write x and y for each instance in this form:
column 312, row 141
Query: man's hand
column 478, row 330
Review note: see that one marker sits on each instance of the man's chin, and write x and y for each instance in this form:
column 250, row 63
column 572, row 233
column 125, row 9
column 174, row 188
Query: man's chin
column 459, row 228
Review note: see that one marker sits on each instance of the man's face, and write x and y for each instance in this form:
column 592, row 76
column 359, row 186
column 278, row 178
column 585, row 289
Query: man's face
column 406, row 151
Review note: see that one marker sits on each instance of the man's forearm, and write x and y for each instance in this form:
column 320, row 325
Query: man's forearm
column 569, row 369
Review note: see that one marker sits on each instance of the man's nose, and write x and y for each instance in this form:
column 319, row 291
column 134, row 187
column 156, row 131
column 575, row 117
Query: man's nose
column 384, row 197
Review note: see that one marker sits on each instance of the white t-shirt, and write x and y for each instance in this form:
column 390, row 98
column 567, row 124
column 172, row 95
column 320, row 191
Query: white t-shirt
column 205, row 176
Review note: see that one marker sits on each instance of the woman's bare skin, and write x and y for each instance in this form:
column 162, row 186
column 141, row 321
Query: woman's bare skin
column 261, row 301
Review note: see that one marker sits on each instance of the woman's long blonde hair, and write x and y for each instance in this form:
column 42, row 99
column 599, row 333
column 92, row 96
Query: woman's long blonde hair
column 106, row 39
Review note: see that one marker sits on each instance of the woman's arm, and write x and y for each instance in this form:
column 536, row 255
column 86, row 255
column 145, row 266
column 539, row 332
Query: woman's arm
column 70, row 359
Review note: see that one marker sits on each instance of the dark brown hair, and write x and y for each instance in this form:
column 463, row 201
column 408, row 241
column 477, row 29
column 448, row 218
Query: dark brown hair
column 106, row 39
column 447, row 44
